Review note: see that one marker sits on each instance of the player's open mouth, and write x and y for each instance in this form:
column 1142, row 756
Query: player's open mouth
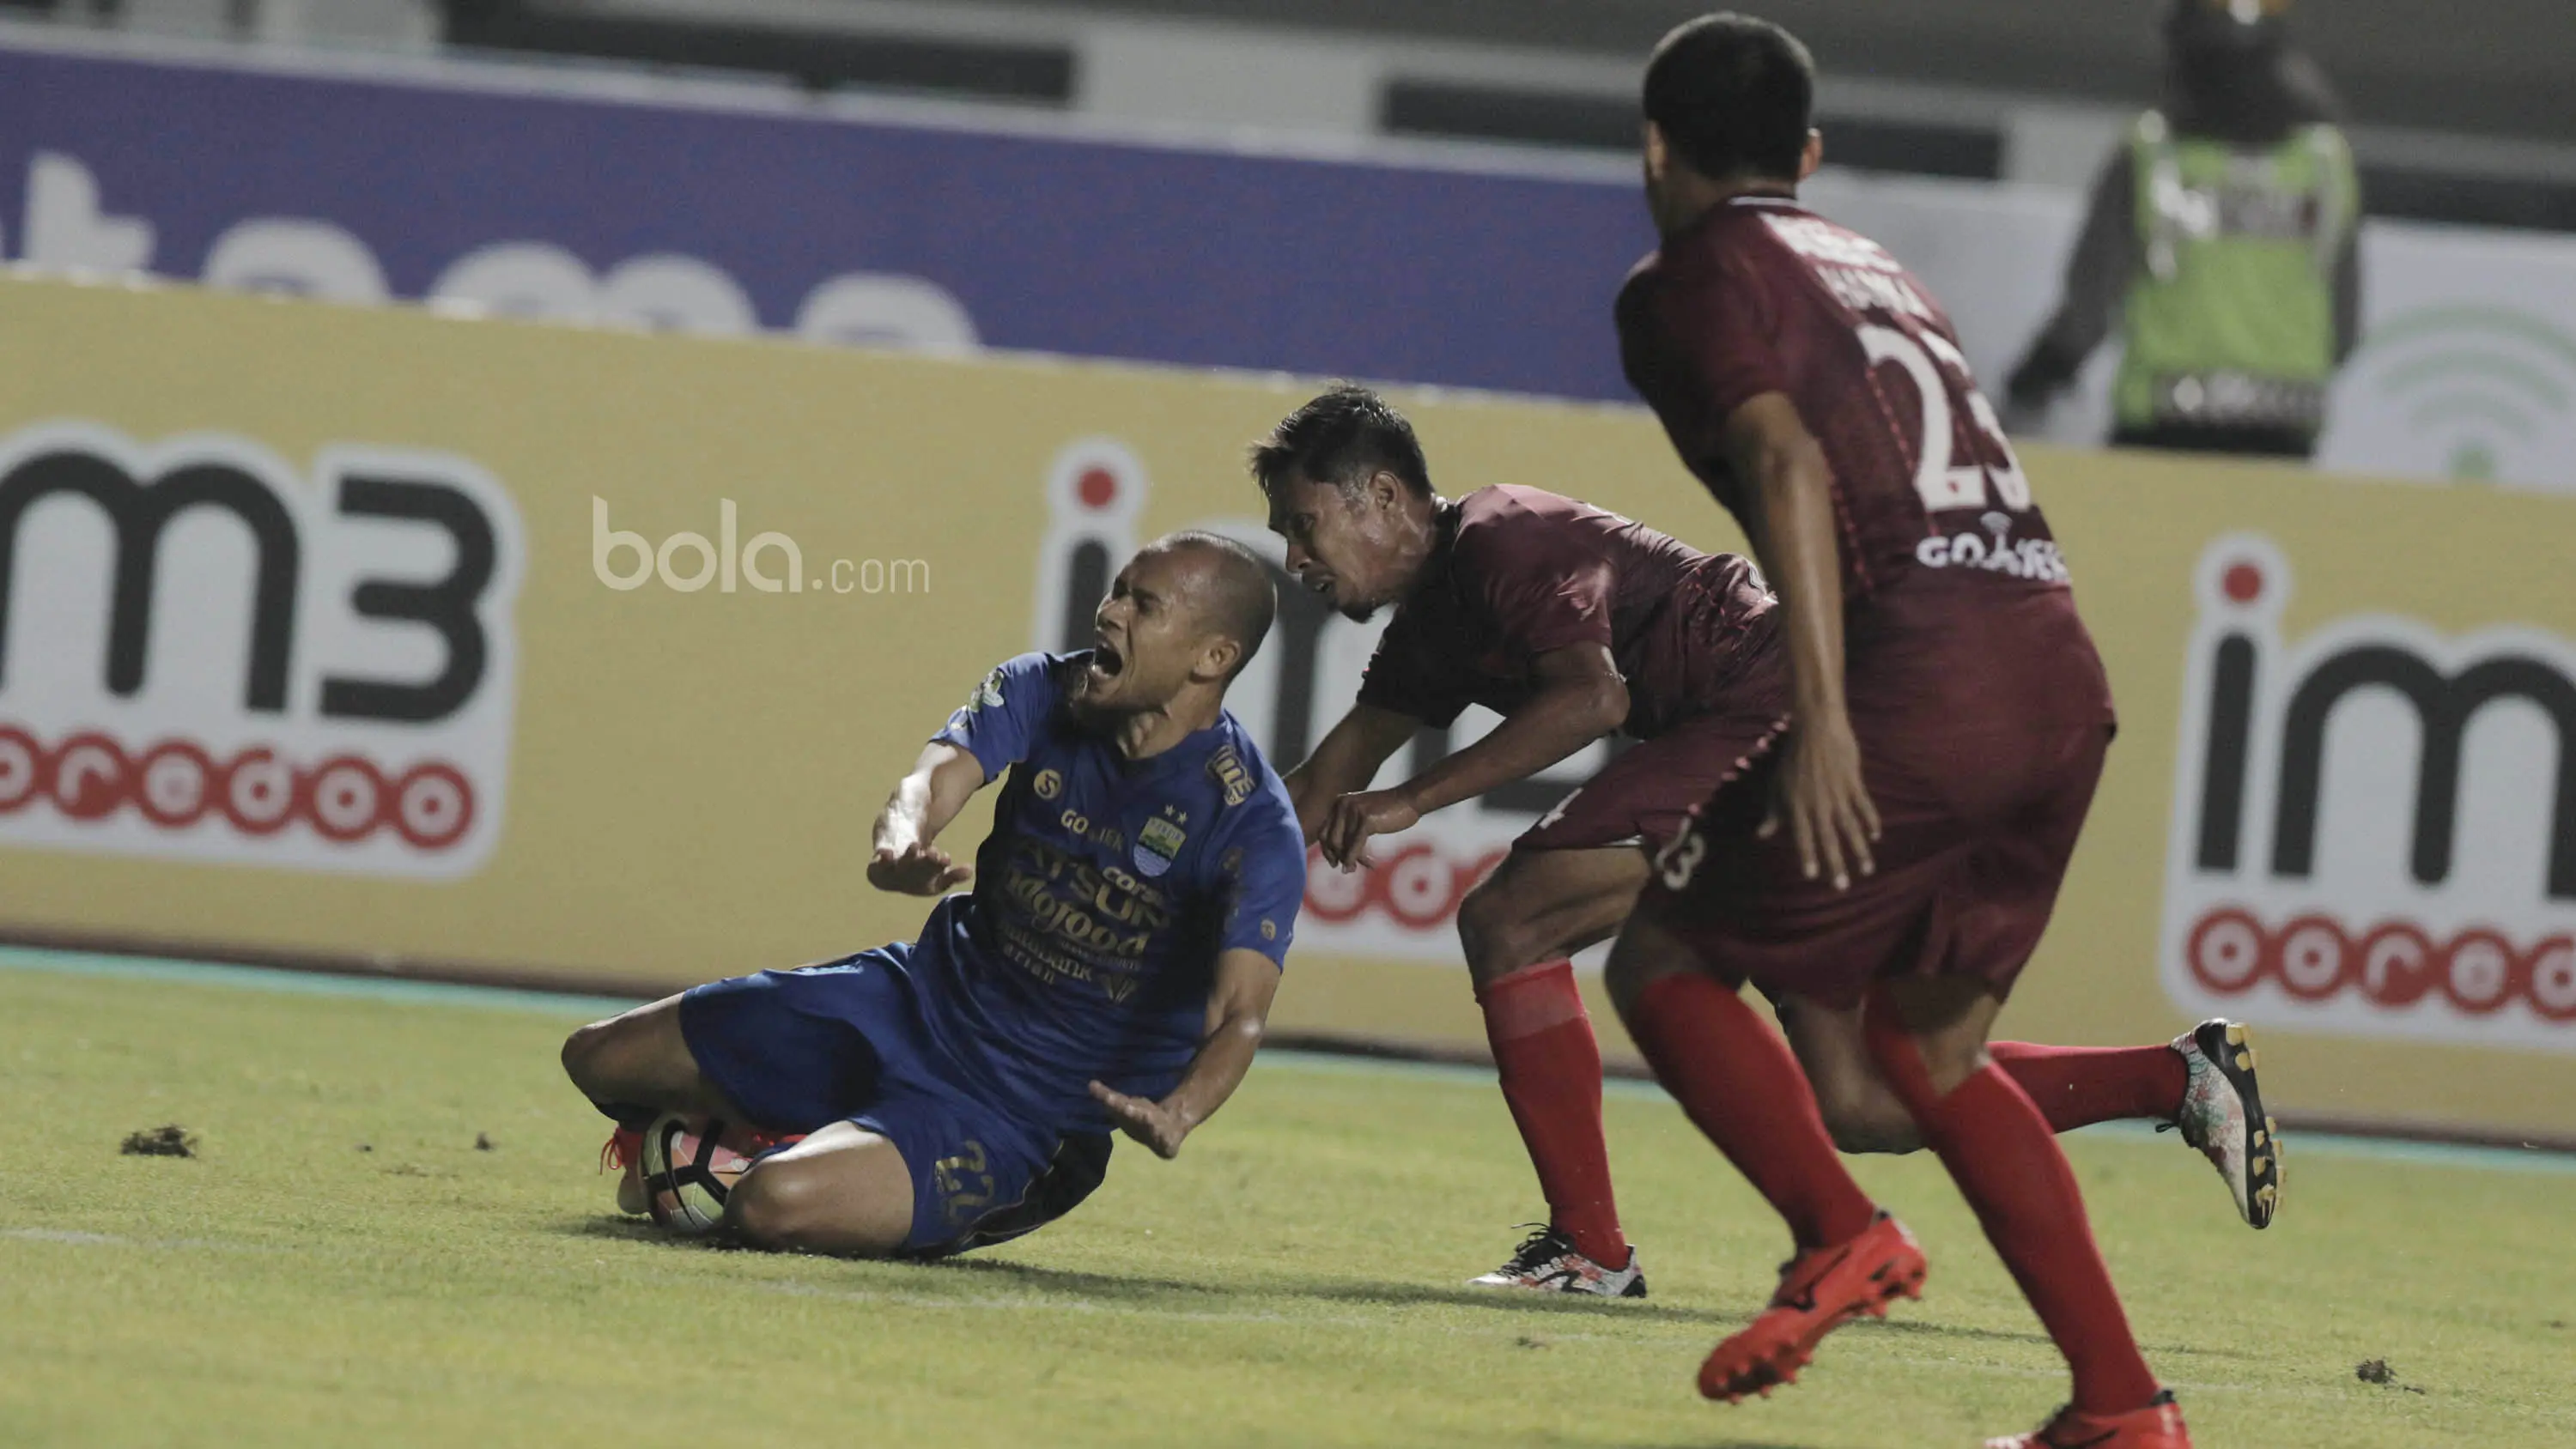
column 1318, row 583
column 1106, row 661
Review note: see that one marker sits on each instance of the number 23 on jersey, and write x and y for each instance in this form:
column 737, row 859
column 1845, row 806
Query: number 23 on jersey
column 1942, row 486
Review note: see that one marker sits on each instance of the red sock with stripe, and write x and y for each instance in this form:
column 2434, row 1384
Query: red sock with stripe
column 1551, row 1074
column 2079, row 1086
column 2000, row 1151
column 1737, row 1080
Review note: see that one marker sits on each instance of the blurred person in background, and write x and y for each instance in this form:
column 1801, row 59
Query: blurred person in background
column 2221, row 242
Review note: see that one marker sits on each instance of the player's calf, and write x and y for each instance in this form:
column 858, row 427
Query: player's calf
column 638, row 1064
column 633, row 1067
column 1519, row 929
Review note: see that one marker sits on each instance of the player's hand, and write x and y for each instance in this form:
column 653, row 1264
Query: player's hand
column 1354, row 818
column 1149, row 1122
column 1820, row 796
column 917, row 870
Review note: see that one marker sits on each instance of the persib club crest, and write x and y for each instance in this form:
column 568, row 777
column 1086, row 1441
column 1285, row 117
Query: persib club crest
column 1159, row 843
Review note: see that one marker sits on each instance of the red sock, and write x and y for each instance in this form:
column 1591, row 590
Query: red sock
column 2079, row 1086
column 1551, row 1071
column 1737, row 1080
column 2000, row 1151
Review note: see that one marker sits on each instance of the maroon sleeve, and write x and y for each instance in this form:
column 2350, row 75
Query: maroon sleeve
column 1406, row 677
column 1725, row 325
column 1545, row 585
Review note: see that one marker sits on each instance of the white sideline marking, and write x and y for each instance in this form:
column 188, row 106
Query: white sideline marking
column 60, row 1235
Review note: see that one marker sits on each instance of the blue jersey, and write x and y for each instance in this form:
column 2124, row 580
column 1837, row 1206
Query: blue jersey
column 1102, row 898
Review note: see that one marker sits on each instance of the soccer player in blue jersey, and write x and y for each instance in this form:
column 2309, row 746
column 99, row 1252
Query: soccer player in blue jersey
column 1112, row 967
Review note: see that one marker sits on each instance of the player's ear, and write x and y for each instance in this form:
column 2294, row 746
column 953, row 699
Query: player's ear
column 1813, row 156
column 1217, row 658
column 1658, row 156
column 1386, row 490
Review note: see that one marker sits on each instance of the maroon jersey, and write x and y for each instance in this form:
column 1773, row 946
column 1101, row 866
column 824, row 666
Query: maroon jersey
column 1959, row 612
column 1762, row 296
column 1518, row 572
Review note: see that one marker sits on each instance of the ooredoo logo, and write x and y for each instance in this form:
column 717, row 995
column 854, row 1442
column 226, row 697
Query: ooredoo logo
column 1306, row 674
column 2374, row 825
column 204, row 656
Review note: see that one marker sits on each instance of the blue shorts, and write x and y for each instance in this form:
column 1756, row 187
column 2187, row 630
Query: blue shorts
column 798, row 1050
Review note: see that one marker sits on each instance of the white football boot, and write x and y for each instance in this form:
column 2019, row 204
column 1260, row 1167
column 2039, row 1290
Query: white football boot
column 2222, row 1115
column 1549, row 1262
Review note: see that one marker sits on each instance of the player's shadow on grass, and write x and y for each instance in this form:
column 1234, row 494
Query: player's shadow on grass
column 1398, row 1295
column 624, row 1230
column 1081, row 1285
column 1931, row 1327
column 1409, row 1295
column 1124, row 1287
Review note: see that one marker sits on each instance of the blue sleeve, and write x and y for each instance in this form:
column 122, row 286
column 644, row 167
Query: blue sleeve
column 1266, row 882
column 1001, row 721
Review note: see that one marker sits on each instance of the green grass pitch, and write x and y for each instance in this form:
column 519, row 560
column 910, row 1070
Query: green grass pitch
column 342, row 1265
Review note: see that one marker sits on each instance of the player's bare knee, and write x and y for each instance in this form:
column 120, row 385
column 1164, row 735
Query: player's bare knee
column 762, row 1208
column 1493, row 932
column 1638, row 959
column 581, row 1057
column 775, row 1206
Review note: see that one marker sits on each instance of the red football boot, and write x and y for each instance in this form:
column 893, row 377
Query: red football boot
column 1820, row 1291
column 2157, row 1426
column 624, row 1151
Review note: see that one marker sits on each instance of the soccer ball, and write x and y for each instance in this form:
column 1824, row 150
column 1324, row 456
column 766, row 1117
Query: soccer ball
column 690, row 1164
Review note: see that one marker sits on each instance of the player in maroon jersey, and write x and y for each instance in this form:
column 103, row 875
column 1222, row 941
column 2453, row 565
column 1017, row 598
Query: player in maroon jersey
column 1890, row 865
column 1573, row 623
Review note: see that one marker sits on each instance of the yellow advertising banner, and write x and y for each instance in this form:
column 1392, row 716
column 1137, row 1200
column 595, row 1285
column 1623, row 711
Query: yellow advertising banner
column 390, row 637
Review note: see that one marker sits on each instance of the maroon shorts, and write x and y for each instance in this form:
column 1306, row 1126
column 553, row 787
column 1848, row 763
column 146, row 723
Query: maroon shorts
column 1645, row 796
column 1977, row 831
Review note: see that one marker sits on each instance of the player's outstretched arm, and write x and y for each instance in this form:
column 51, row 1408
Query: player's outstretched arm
column 1580, row 698
column 1821, row 798
column 1238, row 1013
column 1347, row 760
column 923, row 803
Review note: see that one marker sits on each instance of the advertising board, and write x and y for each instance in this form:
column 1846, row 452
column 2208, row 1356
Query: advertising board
column 398, row 639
